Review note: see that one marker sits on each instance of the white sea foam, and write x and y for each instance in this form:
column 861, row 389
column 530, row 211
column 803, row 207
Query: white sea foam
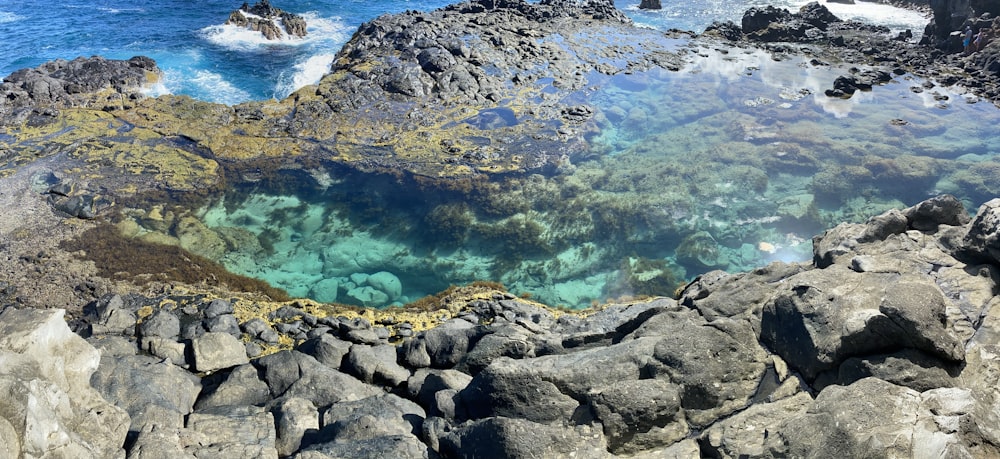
column 307, row 72
column 217, row 89
column 201, row 84
column 242, row 39
column 6, row 17
column 897, row 19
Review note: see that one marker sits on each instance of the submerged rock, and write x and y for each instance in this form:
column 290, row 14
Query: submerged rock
column 883, row 344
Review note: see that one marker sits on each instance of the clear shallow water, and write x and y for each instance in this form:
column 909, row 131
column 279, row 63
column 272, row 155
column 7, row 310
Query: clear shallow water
column 729, row 164
column 209, row 61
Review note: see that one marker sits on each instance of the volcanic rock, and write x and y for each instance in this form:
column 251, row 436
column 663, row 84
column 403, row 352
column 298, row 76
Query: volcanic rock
column 273, row 23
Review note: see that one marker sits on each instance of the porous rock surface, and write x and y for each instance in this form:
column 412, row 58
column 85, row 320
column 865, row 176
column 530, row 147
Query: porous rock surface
column 883, row 346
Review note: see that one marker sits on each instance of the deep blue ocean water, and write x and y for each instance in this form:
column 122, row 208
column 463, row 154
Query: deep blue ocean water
column 208, row 61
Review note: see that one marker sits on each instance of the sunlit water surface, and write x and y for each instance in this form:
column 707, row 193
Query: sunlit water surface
column 732, row 163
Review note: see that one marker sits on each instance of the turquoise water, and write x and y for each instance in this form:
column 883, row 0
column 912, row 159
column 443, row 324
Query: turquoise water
column 731, row 163
column 734, row 162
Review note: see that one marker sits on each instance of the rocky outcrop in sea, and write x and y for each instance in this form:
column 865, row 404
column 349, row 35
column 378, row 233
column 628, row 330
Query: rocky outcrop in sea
column 273, row 23
column 884, row 345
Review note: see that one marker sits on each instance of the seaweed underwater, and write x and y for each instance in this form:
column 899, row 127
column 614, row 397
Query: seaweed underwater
column 731, row 164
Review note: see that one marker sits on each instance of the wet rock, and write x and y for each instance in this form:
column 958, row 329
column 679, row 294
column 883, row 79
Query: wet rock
column 387, row 283
column 650, row 5
column 273, row 23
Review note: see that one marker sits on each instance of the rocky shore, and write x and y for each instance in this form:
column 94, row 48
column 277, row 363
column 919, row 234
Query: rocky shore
column 273, row 23
column 884, row 345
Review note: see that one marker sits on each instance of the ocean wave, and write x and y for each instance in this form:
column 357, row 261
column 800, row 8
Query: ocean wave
column 897, row 19
column 307, row 72
column 200, row 84
column 120, row 10
column 319, row 29
column 6, row 17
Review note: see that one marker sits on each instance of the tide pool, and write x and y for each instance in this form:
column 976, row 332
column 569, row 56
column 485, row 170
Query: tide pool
column 733, row 162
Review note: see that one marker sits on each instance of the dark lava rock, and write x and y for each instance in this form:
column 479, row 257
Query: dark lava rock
column 62, row 83
column 650, row 5
column 265, row 19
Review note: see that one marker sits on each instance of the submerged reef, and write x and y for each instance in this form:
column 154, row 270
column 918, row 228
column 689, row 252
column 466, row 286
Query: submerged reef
column 438, row 153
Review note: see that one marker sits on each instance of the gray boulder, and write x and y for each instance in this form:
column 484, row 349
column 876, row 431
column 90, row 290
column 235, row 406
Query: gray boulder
column 326, row 349
column 374, row 427
column 982, row 241
column 215, row 351
column 448, row 343
column 940, row 210
column 295, row 417
column 168, row 392
column 234, row 431
column 874, row 418
column 294, row 374
column 48, row 408
column 376, row 364
column 502, row 437
column 241, row 387
column 218, row 307
column 401, row 446
column 113, row 317
column 639, row 415
column 162, row 323
column 822, row 317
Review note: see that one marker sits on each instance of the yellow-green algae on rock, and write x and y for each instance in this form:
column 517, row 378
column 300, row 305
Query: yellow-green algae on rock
column 107, row 149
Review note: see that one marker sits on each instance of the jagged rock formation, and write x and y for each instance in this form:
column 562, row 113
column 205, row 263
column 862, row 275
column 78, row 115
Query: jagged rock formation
column 83, row 82
column 48, row 408
column 273, row 23
column 883, row 345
